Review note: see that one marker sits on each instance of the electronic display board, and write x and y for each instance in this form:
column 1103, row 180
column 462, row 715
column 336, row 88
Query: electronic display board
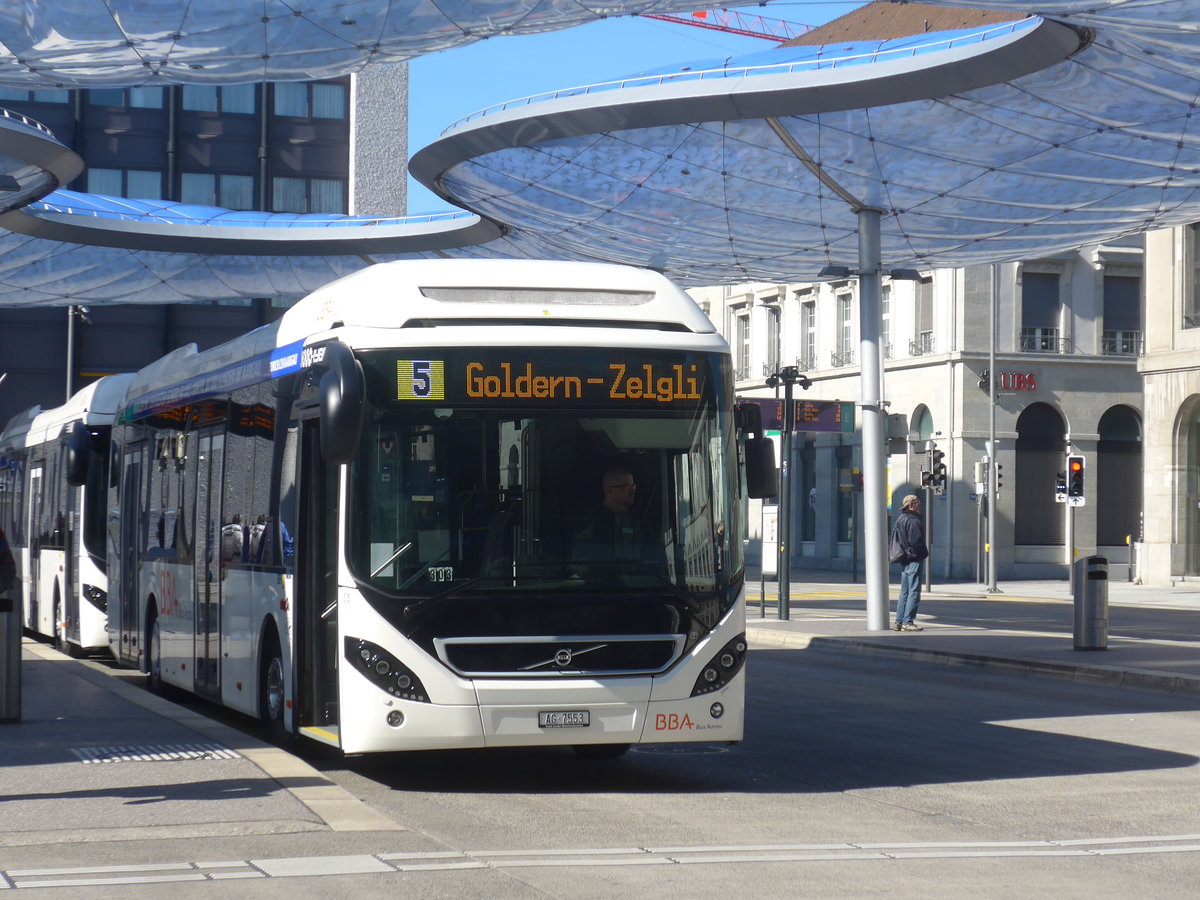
column 554, row 377
column 811, row 415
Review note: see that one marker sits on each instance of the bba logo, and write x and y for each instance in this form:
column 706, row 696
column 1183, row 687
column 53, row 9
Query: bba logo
column 673, row 722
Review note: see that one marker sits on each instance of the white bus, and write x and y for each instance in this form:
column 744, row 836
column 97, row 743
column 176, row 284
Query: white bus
column 363, row 523
column 53, row 506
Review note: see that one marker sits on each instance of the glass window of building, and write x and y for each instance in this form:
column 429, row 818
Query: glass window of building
column 199, row 188
column 329, row 101
column 924, row 342
column 105, row 181
column 844, row 355
column 236, row 192
column 291, row 99
column 199, row 98
column 774, row 336
column 741, row 342
column 106, row 97
column 52, row 96
column 1122, row 315
column 239, row 98
column 326, row 195
column 1041, row 308
column 8, row 93
column 144, row 97
column 289, row 195
column 143, row 184
column 808, row 334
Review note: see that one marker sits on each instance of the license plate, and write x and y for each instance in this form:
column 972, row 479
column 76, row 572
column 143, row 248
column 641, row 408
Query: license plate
column 574, row 718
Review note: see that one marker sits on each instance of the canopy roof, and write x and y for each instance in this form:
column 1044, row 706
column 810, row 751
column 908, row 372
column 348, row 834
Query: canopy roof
column 1015, row 140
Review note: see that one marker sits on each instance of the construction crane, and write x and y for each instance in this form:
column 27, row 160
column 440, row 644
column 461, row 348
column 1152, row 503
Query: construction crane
column 731, row 21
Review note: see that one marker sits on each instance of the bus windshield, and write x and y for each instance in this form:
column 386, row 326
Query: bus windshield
column 524, row 500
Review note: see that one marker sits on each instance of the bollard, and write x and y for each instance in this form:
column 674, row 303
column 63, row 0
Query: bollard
column 1091, row 603
column 10, row 657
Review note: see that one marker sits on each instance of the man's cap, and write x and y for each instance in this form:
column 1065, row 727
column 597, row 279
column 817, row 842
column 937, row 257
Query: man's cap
column 909, row 501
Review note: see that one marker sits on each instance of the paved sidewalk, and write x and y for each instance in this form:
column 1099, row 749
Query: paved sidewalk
column 97, row 758
column 1153, row 639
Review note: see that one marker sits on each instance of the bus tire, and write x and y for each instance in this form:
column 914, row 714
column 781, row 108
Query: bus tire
column 601, row 751
column 154, row 680
column 57, row 631
column 271, row 707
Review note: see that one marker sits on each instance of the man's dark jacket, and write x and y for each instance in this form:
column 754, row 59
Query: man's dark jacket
column 912, row 535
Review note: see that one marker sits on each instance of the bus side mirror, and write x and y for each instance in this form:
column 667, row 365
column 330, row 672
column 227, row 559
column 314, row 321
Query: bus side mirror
column 342, row 395
column 79, row 453
column 762, row 477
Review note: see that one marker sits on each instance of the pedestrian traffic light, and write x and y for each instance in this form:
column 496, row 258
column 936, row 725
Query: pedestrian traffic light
column 1075, row 469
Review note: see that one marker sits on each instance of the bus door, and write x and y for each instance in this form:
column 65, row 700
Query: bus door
column 73, row 541
column 33, row 533
column 208, row 564
column 316, row 581
column 130, row 624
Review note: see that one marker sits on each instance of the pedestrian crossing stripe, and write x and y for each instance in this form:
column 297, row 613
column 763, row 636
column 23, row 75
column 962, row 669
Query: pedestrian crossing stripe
column 153, row 753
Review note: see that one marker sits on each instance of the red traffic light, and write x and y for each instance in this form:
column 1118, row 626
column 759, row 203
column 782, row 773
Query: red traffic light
column 1076, row 464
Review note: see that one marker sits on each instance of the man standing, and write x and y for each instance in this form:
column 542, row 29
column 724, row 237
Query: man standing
column 910, row 534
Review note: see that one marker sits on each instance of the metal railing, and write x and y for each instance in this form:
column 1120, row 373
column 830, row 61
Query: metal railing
column 841, row 359
column 922, row 346
column 1043, row 340
column 1121, row 343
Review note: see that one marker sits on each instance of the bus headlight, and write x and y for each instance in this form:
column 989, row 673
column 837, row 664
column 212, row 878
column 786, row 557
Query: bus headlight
column 384, row 670
column 98, row 597
column 722, row 667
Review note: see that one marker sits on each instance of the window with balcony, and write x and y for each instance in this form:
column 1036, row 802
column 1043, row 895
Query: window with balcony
column 1041, row 312
column 923, row 345
column 741, row 343
column 808, row 336
column 844, row 354
column 774, row 339
column 1122, row 334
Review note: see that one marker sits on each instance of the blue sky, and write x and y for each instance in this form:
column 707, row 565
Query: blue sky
column 444, row 87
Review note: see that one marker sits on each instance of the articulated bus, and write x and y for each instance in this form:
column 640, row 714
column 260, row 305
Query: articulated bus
column 363, row 523
column 53, row 507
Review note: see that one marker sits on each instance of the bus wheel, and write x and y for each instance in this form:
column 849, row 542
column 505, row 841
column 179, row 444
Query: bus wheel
column 270, row 693
column 154, row 658
column 59, row 630
column 601, row 751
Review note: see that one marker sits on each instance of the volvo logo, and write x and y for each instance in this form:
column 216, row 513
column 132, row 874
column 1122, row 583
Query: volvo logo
column 562, row 657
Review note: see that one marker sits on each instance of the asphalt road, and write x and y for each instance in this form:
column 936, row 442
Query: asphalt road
column 858, row 777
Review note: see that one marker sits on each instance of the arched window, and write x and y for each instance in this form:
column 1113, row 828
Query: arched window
column 1041, row 449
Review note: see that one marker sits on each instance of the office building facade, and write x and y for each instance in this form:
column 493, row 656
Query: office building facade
column 336, row 146
column 1065, row 334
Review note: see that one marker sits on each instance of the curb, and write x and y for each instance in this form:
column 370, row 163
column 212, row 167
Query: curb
column 1110, row 676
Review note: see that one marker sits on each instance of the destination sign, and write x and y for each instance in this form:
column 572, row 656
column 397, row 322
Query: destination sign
column 810, row 415
column 559, row 377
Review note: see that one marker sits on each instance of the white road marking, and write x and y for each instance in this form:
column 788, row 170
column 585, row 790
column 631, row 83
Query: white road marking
column 446, row 861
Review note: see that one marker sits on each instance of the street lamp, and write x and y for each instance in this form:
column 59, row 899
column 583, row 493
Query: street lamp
column 789, row 377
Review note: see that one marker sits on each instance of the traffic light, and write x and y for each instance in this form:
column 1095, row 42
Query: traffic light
column 926, row 478
column 999, row 476
column 1075, row 469
column 938, row 458
column 1060, row 488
